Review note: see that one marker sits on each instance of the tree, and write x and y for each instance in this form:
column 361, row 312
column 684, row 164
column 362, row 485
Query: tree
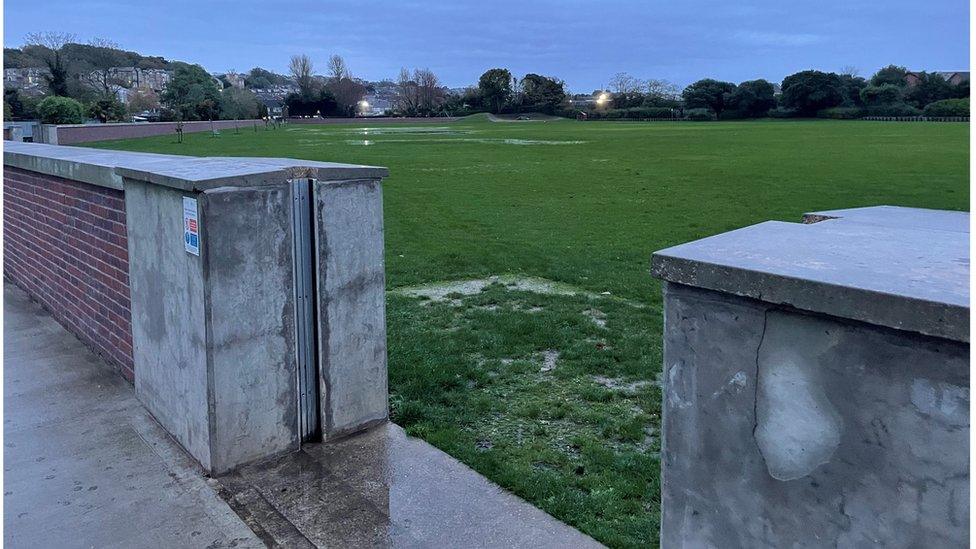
column 708, row 93
column 239, row 104
column 752, row 98
column 192, row 94
column 624, row 83
column 419, row 94
column 661, row 93
column 60, row 110
column 301, row 68
column 851, row 87
column 885, row 94
column 321, row 103
column 931, row 87
column 337, row 68
column 142, row 99
column 627, row 90
column 543, row 93
column 258, row 78
column 810, row 91
column 51, row 45
column 107, row 109
column 97, row 69
column 892, row 74
column 496, row 88
column 407, row 100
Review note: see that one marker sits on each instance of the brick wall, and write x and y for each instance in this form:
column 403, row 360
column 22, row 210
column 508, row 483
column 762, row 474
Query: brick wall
column 65, row 244
column 84, row 133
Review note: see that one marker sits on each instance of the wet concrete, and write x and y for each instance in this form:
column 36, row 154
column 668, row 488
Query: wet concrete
column 381, row 488
column 84, row 463
column 86, row 466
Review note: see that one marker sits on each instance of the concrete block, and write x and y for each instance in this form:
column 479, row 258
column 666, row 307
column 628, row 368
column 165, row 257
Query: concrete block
column 213, row 335
column 825, row 425
column 353, row 392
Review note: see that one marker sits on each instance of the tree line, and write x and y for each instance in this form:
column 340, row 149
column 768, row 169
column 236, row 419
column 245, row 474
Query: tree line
column 891, row 91
column 82, row 83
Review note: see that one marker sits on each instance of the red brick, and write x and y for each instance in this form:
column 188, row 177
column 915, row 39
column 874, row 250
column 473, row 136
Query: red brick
column 65, row 244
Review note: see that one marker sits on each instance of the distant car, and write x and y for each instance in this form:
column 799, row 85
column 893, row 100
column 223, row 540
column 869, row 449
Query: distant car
column 523, row 117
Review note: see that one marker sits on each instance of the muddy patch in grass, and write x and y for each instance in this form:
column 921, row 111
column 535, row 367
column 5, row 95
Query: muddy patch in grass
column 454, row 289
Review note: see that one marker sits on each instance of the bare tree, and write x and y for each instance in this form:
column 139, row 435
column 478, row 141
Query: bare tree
column 50, row 40
column 51, row 45
column 419, row 93
column 407, row 93
column 301, row 68
column 625, row 83
column 105, row 57
column 662, row 89
column 430, row 94
column 850, row 70
column 98, row 42
column 337, row 68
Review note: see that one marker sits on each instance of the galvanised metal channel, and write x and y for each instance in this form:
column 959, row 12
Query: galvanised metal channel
column 305, row 302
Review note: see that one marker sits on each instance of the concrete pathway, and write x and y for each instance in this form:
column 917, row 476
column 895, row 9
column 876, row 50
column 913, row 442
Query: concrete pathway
column 84, row 464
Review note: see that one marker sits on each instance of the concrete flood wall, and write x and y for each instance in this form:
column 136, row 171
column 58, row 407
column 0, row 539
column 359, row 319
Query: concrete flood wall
column 213, row 323
column 817, row 383
column 71, row 134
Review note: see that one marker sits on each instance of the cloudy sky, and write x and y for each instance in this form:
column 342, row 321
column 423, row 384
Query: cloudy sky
column 582, row 42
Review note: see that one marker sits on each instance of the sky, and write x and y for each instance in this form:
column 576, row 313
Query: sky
column 582, row 42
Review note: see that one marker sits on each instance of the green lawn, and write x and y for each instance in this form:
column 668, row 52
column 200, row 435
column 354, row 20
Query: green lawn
column 553, row 394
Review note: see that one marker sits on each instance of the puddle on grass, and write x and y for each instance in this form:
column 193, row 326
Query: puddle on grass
column 410, row 130
column 540, row 142
column 549, row 359
column 597, row 316
column 616, row 383
column 445, row 291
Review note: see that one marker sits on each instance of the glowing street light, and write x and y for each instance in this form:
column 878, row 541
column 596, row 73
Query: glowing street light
column 363, row 106
column 602, row 98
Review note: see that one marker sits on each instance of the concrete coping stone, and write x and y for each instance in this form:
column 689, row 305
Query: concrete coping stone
column 107, row 168
column 903, row 268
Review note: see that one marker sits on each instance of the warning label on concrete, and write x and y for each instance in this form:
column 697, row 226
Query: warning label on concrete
column 191, row 226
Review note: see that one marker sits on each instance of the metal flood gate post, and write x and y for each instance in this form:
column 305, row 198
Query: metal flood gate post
column 305, row 314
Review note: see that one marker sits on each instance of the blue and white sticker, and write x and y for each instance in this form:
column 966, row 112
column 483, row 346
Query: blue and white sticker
column 191, row 226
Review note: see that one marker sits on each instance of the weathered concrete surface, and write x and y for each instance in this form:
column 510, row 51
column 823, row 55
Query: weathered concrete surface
column 108, row 168
column 381, row 488
column 784, row 429
column 806, row 401
column 897, row 216
column 169, row 313
column 905, row 277
column 84, row 464
column 250, row 319
column 214, row 335
column 353, row 392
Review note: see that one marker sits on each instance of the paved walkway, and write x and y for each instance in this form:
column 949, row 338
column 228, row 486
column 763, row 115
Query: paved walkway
column 86, row 466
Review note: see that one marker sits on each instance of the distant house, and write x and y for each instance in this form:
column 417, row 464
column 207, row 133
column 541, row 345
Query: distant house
column 273, row 102
column 235, row 79
column 375, row 105
column 912, row 78
column 30, row 80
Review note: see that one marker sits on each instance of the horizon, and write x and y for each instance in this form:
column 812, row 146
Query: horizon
column 680, row 44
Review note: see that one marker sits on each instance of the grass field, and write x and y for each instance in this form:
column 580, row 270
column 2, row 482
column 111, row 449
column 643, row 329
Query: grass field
column 540, row 371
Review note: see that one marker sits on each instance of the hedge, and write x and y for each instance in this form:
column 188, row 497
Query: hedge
column 60, row 110
column 948, row 107
column 841, row 113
